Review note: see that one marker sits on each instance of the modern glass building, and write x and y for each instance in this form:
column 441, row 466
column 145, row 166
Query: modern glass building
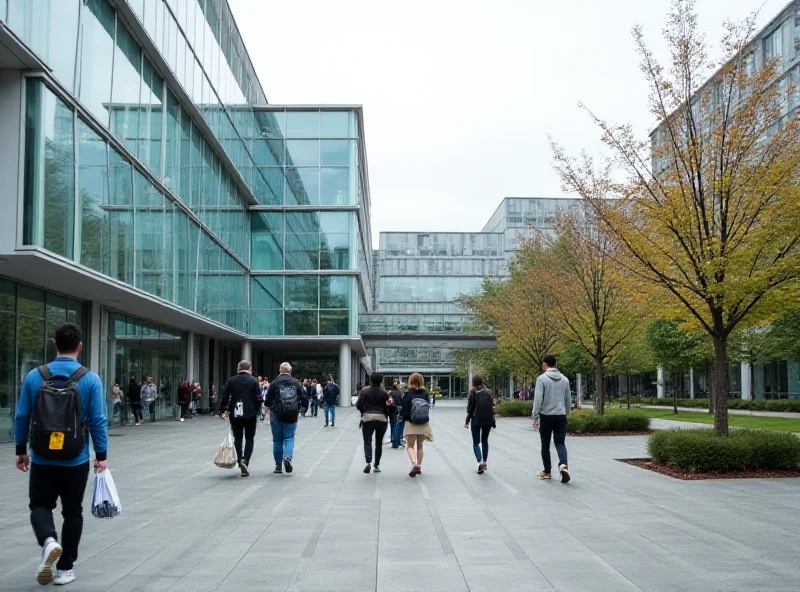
column 151, row 193
column 418, row 324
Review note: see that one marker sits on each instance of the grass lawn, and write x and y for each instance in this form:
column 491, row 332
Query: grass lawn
column 779, row 424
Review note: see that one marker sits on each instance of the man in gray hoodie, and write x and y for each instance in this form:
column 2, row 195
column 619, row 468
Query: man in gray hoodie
column 551, row 405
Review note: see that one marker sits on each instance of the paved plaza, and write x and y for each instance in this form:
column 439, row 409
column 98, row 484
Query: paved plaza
column 189, row 526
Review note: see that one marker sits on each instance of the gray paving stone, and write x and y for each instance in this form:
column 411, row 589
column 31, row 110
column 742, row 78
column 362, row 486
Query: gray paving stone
column 190, row 527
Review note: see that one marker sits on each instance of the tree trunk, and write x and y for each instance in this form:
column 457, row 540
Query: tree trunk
column 719, row 387
column 599, row 388
column 710, row 395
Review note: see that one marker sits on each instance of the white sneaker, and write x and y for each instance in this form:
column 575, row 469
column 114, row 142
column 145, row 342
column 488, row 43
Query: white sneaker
column 64, row 577
column 181, row 419
column 51, row 553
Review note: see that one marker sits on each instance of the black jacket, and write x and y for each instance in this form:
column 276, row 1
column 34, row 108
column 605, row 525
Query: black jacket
column 373, row 400
column 244, row 388
column 275, row 386
column 397, row 395
column 330, row 394
column 134, row 392
column 480, row 409
column 405, row 410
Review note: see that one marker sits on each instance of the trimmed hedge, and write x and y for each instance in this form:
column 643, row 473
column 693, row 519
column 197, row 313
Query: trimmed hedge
column 781, row 405
column 702, row 451
column 511, row 408
column 588, row 423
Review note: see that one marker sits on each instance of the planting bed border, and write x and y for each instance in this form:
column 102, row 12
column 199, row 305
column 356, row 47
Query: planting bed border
column 649, row 465
column 598, row 434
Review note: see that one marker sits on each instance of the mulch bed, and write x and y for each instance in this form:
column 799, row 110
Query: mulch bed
column 592, row 434
column 647, row 463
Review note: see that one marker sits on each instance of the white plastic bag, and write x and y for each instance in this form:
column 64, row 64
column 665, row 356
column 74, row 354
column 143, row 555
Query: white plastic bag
column 226, row 454
column 105, row 502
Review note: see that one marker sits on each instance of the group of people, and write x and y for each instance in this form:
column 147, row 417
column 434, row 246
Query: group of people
column 145, row 396
column 59, row 461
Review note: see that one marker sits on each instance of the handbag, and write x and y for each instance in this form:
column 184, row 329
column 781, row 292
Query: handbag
column 226, row 453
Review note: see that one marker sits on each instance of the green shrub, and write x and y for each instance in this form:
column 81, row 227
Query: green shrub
column 783, row 405
column 588, row 423
column 511, row 408
column 702, row 451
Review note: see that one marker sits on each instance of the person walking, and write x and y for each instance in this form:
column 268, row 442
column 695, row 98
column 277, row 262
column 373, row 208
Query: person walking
column 415, row 412
column 551, row 403
column 283, row 403
column 135, row 399
column 116, row 401
column 375, row 404
column 480, row 416
column 394, row 416
column 311, row 392
column 149, row 395
column 59, row 464
column 330, row 396
column 197, row 398
column 241, row 401
column 185, row 398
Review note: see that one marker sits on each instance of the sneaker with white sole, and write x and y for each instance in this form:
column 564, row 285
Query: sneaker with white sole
column 51, row 553
column 564, row 473
column 64, row 577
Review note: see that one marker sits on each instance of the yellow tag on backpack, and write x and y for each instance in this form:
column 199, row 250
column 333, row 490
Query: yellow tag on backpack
column 57, row 441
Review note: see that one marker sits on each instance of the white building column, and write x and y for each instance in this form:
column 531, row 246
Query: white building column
column 469, row 374
column 660, row 382
column 345, row 378
column 691, row 383
column 579, row 390
column 96, row 341
column 510, row 387
column 247, row 352
column 747, row 381
column 191, row 354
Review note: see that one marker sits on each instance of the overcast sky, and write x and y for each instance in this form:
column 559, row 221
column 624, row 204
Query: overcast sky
column 460, row 95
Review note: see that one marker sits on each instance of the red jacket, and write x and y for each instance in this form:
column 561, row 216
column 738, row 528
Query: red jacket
column 184, row 393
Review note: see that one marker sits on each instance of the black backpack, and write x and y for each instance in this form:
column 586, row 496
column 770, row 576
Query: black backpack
column 59, row 430
column 287, row 403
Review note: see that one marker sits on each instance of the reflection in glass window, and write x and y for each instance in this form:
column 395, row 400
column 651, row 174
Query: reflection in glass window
column 302, row 124
column 302, row 292
column 301, row 322
column 120, row 198
column 49, row 210
column 335, row 291
column 266, row 236
column 150, row 115
column 93, row 190
column 266, row 305
column 302, row 251
column 302, row 152
column 335, row 187
column 97, row 54
column 302, row 186
column 334, row 322
column 126, row 90
column 337, row 124
column 334, row 152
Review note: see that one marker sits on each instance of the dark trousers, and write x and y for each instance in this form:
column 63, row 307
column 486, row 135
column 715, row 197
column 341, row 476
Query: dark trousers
column 47, row 484
column 151, row 406
column 368, row 428
column 137, row 412
column 555, row 426
column 314, row 407
column 244, row 427
column 480, row 441
column 184, row 409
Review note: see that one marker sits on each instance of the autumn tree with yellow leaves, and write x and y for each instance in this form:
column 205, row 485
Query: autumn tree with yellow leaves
column 707, row 210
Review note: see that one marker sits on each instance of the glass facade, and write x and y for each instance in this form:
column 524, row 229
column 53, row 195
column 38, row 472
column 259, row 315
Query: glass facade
column 28, row 320
column 140, row 348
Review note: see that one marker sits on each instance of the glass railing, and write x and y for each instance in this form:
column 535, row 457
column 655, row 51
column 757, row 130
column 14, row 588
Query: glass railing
column 395, row 323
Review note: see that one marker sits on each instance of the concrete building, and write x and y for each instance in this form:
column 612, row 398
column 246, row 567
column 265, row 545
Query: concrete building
column 152, row 194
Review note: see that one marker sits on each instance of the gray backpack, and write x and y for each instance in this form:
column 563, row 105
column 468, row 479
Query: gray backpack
column 420, row 411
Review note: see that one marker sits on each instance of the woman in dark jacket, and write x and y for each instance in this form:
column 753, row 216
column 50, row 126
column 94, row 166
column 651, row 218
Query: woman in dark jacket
column 416, row 433
column 184, row 398
column 396, row 423
column 374, row 404
column 480, row 412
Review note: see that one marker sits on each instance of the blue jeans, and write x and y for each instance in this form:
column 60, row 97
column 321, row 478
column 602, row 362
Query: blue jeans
column 397, row 432
column 332, row 410
column 554, row 426
column 282, row 439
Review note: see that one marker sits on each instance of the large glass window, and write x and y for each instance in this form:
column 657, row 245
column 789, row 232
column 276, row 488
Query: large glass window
column 97, row 55
column 335, row 230
column 266, row 305
column 337, row 124
column 125, row 108
column 302, row 124
column 335, row 186
column 150, row 118
column 49, row 209
column 266, row 237
column 302, row 186
column 120, row 223
column 93, row 181
column 51, row 30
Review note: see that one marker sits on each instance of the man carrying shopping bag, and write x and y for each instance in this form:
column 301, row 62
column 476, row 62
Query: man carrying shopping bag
column 59, row 434
column 241, row 400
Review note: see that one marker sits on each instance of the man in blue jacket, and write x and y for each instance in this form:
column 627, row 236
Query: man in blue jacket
column 51, row 479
